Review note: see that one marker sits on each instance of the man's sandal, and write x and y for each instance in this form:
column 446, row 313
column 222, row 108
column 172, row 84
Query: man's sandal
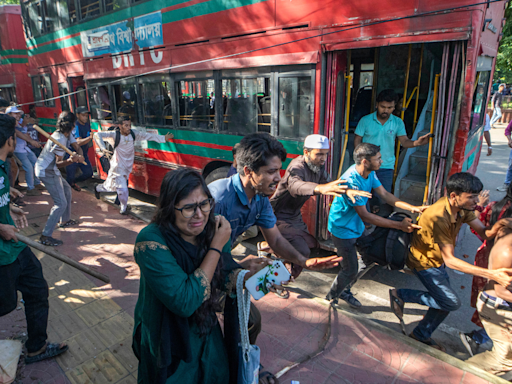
column 76, row 187
column 69, row 223
column 397, row 307
column 52, row 350
column 262, row 253
column 50, row 241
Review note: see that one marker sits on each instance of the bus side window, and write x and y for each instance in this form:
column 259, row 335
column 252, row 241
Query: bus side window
column 295, row 103
column 100, row 103
column 126, row 101
column 157, row 103
column 245, row 106
column 195, row 101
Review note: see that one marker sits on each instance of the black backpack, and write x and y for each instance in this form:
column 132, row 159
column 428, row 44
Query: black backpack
column 386, row 246
column 118, row 137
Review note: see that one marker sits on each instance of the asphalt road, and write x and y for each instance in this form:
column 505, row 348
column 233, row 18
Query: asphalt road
column 372, row 289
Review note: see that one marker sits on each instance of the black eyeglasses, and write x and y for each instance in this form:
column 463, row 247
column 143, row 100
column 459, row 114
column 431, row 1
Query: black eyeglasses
column 189, row 210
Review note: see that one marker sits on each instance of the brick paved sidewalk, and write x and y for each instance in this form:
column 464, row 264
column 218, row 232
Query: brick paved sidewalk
column 96, row 319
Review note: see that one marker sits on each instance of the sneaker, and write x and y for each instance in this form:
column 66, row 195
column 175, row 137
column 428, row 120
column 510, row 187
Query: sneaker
column 126, row 211
column 350, row 299
column 96, row 193
column 33, row 192
column 40, row 187
column 468, row 342
column 503, row 188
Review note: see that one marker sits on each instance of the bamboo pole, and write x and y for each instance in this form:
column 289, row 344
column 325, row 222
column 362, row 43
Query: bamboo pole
column 347, row 114
column 418, row 95
column 402, row 114
column 429, row 161
column 45, row 134
column 59, row 256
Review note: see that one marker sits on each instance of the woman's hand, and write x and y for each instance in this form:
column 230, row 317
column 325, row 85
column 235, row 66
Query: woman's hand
column 222, row 232
column 254, row 264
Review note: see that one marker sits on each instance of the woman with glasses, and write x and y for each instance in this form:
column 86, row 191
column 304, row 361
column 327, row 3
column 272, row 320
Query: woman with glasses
column 185, row 263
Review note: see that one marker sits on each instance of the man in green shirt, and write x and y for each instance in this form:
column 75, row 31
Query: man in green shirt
column 20, row 270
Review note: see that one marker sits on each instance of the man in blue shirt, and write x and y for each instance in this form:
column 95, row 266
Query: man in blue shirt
column 382, row 128
column 347, row 218
column 82, row 133
column 243, row 198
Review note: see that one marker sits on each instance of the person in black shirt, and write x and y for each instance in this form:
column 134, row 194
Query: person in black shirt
column 496, row 105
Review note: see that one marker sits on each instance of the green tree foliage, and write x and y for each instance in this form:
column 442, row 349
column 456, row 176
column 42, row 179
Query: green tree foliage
column 503, row 72
column 2, row 2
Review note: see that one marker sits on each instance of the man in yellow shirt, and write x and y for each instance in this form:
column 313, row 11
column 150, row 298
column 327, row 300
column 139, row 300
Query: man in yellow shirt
column 432, row 250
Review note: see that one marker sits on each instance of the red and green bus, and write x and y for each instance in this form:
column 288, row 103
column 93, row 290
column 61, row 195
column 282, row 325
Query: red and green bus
column 212, row 71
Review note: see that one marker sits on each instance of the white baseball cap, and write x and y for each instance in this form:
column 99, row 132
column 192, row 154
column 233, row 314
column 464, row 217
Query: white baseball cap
column 316, row 142
column 13, row 109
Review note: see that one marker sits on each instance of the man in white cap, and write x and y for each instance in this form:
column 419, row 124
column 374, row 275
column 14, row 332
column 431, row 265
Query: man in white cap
column 304, row 177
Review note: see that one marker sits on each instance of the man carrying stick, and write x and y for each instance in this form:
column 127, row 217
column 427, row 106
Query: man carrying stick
column 47, row 169
column 20, row 270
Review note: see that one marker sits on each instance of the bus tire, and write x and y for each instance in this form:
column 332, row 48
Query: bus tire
column 216, row 174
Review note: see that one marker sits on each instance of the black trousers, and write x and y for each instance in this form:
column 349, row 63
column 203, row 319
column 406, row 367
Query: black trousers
column 25, row 274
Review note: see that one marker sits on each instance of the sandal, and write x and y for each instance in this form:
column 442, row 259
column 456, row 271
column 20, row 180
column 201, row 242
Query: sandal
column 282, row 293
column 52, row 350
column 262, row 253
column 430, row 342
column 76, row 187
column 18, row 202
column 265, row 377
column 50, row 241
column 68, row 223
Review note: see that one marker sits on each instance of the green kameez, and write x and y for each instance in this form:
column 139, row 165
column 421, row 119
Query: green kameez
column 164, row 284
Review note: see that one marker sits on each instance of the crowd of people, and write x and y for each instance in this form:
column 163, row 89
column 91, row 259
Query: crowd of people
column 188, row 275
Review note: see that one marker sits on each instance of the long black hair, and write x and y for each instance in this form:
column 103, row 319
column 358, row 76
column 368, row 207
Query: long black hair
column 497, row 208
column 176, row 186
column 66, row 122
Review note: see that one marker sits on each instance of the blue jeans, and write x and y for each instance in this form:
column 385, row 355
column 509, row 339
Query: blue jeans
column 28, row 161
column 480, row 337
column 496, row 115
column 86, row 171
column 440, row 298
column 508, row 178
column 385, row 177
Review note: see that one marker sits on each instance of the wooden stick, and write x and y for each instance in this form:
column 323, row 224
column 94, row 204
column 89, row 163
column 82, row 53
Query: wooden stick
column 45, row 134
column 50, row 251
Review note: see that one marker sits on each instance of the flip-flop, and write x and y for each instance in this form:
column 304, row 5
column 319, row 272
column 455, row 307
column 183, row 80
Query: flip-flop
column 52, row 350
column 263, row 253
column 282, row 293
column 76, row 187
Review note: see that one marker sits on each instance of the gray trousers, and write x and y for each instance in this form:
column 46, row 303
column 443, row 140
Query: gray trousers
column 346, row 248
column 60, row 191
